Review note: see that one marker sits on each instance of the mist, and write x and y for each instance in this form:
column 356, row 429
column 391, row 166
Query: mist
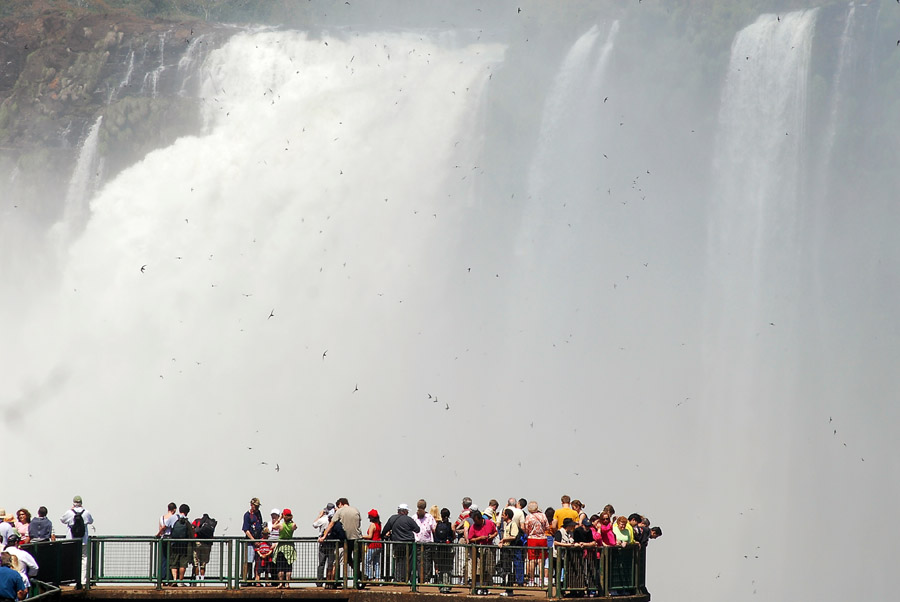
column 531, row 254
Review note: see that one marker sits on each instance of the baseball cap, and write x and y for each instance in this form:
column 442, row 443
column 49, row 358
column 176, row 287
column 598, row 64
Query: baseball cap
column 402, row 507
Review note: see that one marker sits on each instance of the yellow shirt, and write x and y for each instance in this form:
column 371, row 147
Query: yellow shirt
column 562, row 514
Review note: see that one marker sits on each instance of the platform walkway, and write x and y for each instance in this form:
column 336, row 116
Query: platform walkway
column 115, row 567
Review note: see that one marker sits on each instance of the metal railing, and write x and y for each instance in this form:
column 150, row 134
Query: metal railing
column 59, row 561
column 233, row 563
column 601, row 571
column 43, row 591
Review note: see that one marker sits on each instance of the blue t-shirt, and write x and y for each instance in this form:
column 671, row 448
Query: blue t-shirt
column 10, row 583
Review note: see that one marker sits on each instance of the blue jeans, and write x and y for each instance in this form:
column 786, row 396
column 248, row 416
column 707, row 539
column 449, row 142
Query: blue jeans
column 373, row 563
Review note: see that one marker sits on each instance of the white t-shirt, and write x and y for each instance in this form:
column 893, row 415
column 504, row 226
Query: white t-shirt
column 68, row 519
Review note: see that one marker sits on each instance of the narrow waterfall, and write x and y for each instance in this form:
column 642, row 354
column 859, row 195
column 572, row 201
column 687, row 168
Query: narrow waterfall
column 83, row 181
column 566, row 156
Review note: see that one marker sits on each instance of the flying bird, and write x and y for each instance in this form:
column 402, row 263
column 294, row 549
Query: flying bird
column 356, row 389
column 447, row 406
column 271, row 314
column 277, row 468
column 143, row 267
column 324, row 353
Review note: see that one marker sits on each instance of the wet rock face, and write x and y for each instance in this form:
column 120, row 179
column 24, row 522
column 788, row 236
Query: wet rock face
column 59, row 72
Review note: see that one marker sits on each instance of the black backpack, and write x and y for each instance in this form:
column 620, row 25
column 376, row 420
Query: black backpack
column 207, row 528
column 182, row 529
column 337, row 531
column 443, row 533
column 78, row 529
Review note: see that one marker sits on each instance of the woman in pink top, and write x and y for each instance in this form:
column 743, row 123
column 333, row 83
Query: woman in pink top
column 602, row 530
column 482, row 532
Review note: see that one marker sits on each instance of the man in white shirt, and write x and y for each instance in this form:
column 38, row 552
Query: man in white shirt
column 28, row 566
column 427, row 525
column 68, row 519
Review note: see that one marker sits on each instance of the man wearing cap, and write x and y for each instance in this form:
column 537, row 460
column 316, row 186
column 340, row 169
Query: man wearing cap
column 68, row 519
column 11, row 585
column 401, row 529
column 274, row 524
column 28, row 566
column 326, row 548
column 252, row 528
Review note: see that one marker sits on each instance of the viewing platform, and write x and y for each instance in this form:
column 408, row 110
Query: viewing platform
column 120, row 567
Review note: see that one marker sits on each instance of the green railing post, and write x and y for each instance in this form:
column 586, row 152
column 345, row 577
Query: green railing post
column 344, row 564
column 229, row 582
column 558, row 563
column 239, row 562
column 88, row 569
column 473, row 554
column 156, row 548
column 414, row 576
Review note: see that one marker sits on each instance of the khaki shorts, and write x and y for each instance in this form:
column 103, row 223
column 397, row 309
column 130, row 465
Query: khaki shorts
column 201, row 554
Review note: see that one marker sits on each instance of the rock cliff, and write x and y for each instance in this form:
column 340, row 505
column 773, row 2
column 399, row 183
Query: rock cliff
column 61, row 70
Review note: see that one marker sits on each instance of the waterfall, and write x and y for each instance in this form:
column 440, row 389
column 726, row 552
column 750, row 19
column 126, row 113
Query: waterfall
column 126, row 78
column 83, row 181
column 150, row 83
column 758, row 168
column 315, row 156
column 570, row 110
column 846, row 54
column 190, row 61
column 753, row 250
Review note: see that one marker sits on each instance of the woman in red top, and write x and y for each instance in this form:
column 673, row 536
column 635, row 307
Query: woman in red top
column 373, row 553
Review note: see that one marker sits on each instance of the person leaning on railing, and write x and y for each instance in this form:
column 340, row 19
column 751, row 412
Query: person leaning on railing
column 482, row 533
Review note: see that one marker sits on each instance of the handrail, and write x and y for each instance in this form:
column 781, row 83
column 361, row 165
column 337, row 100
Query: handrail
column 554, row 571
column 43, row 591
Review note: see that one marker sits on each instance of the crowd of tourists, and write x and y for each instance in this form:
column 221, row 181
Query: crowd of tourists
column 17, row 566
column 527, row 536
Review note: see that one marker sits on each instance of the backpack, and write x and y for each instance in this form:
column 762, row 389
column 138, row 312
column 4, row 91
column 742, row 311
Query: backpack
column 337, row 531
column 78, row 529
column 182, row 529
column 521, row 538
column 443, row 533
column 207, row 528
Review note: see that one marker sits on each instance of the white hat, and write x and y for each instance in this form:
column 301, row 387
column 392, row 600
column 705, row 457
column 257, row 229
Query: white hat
column 403, row 507
column 275, row 511
column 473, row 508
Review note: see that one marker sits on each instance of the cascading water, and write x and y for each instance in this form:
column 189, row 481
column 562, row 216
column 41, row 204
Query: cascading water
column 347, row 251
column 561, row 159
column 83, row 182
column 758, row 166
column 754, row 223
